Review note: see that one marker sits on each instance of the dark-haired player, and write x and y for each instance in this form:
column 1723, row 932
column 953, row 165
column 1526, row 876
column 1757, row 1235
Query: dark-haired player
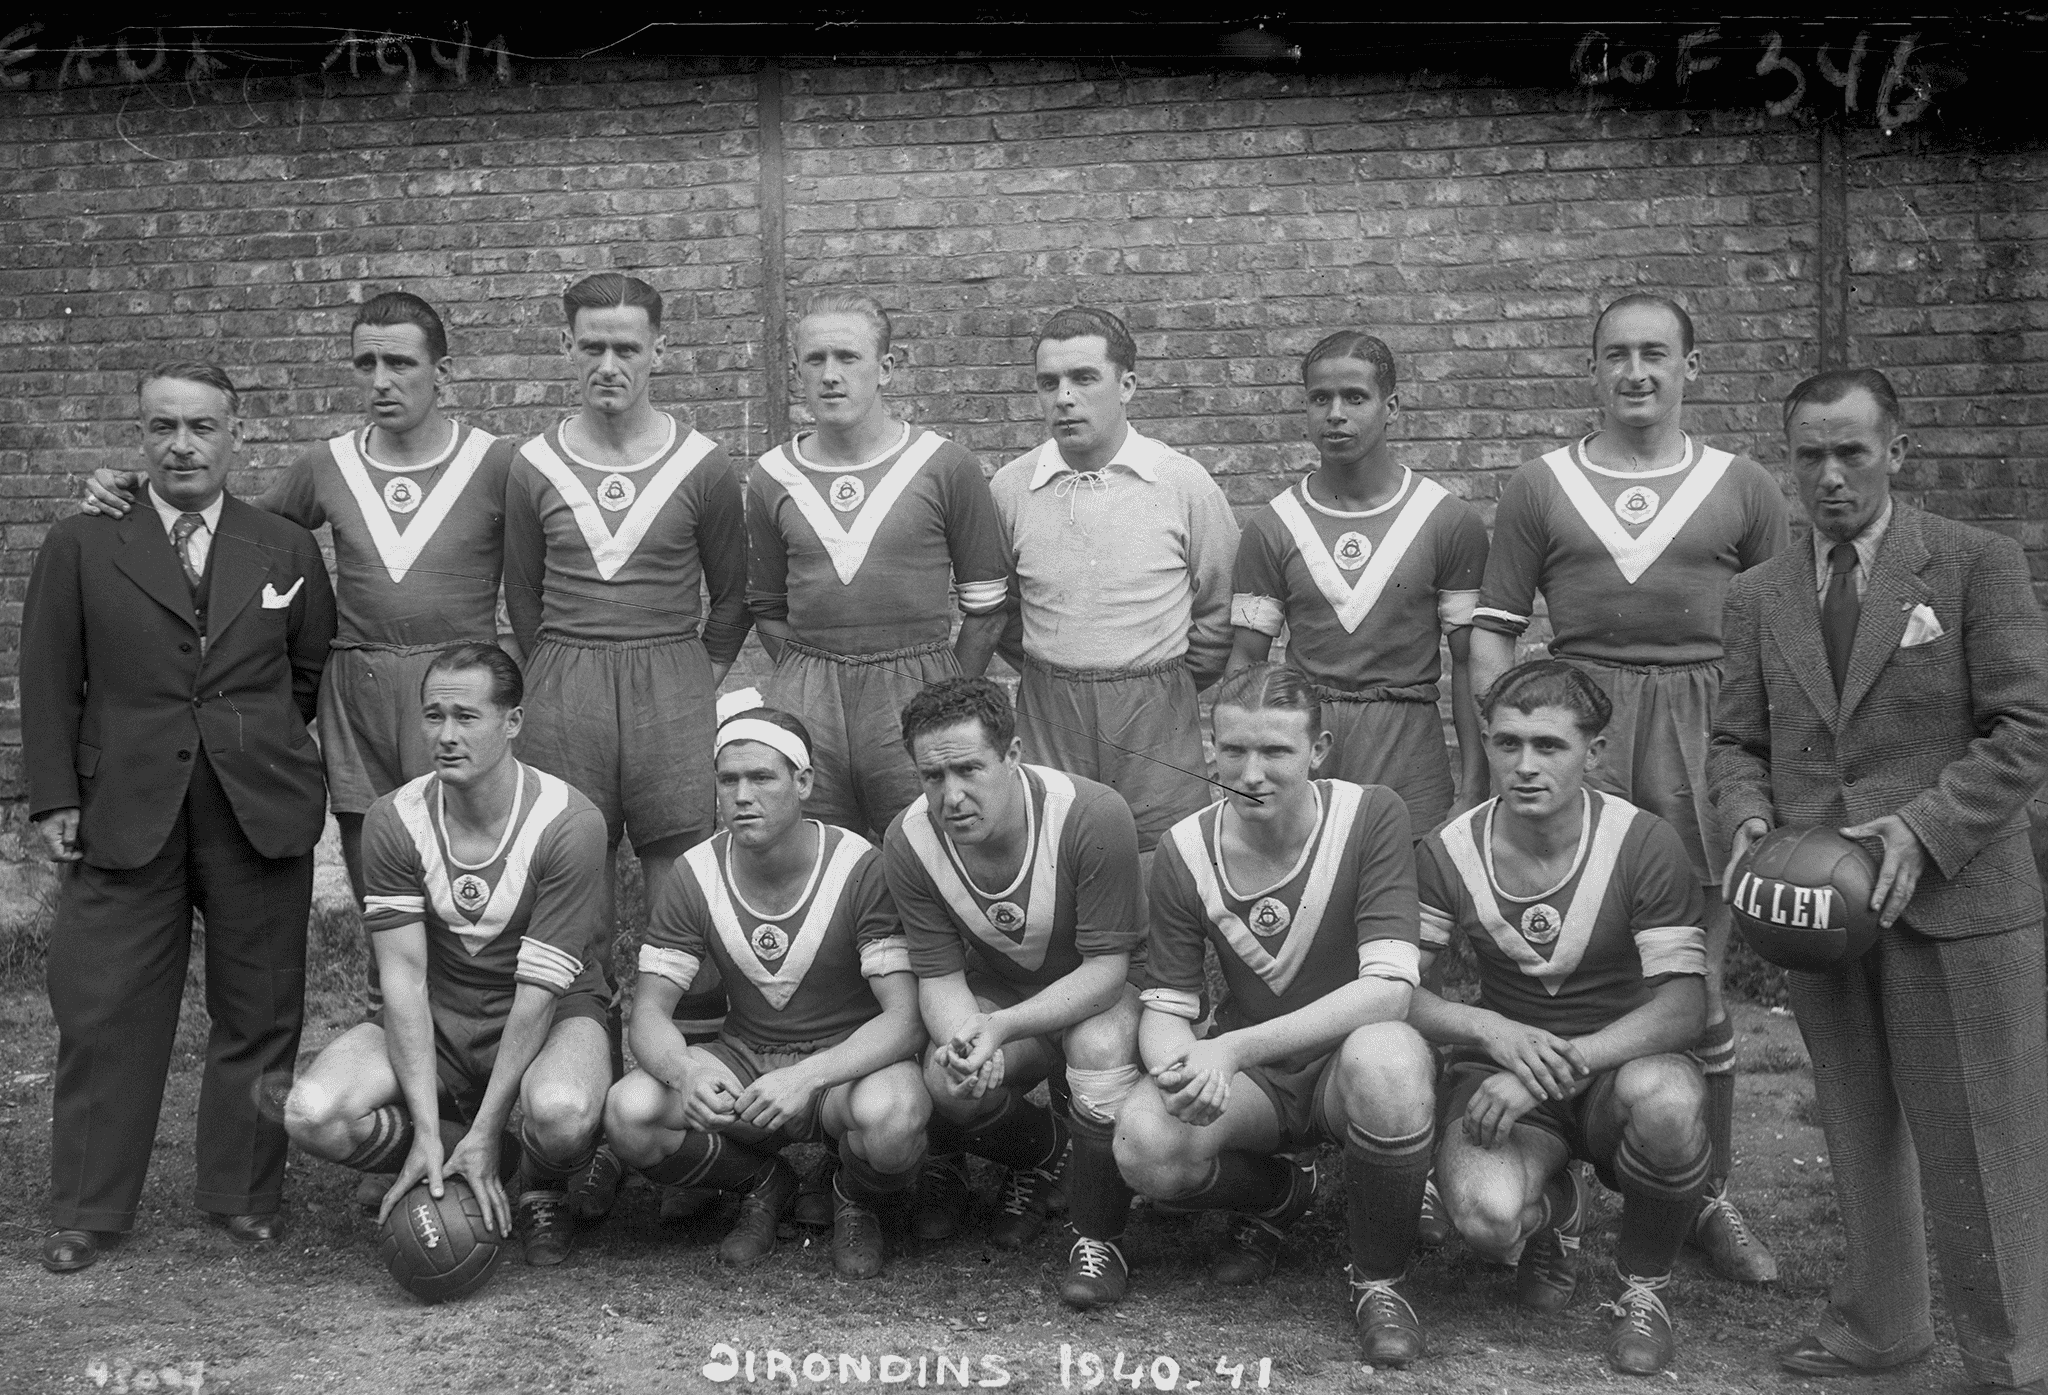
column 1305, row 887
column 485, row 899
column 1584, row 917
column 1018, row 887
column 1366, row 563
column 417, row 502
column 1122, row 547
column 1633, row 535
column 822, row 1035
column 861, row 532
column 614, row 521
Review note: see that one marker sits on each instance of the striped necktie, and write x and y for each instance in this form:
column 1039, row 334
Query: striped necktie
column 181, row 543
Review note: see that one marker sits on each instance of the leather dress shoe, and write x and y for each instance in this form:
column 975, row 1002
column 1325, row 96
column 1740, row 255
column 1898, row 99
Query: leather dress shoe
column 254, row 1230
column 1807, row 1357
column 68, row 1251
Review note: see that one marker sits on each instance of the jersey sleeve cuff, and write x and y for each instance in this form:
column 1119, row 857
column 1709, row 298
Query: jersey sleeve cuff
column 1504, row 622
column 1454, row 609
column 546, row 966
column 981, row 597
column 392, row 912
column 1672, row 949
column 889, row 955
column 1390, row 959
column 672, row 964
column 1436, row 929
column 1174, row 1002
column 1261, row 613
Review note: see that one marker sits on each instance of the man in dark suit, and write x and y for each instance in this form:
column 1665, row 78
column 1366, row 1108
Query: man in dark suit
column 170, row 663
column 1891, row 679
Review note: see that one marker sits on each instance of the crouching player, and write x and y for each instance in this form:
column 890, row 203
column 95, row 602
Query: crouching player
column 1306, row 888
column 822, row 1032
column 1019, row 891
column 484, row 895
column 1585, row 918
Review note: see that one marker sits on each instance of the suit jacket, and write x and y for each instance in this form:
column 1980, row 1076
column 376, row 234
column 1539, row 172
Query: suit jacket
column 118, row 693
column 1951, row 735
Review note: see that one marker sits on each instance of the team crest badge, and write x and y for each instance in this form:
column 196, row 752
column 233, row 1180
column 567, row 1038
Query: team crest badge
column 1637, row 505
column 769, row 942
column 1540, row 924
column 1269, row 916
column 847, row 493
column 1351, row 551
column 616, row 492
column 1007, row 917
column 401, row 495
column 471, row 891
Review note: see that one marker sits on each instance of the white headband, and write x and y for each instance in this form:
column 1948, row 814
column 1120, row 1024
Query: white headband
column 768, row 734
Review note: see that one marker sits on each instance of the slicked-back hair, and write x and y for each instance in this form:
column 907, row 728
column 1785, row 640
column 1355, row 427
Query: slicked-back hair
column 1823, row 389
column 1355, row 344
column 776, row 717
column 860, row 305
column 508, row 685
column 1662, row 302
column 1081, row 321
column 404, row 308
column 955, row 700
column 1544, row 683
column 1268, row 686
column 194, row 370
column 609, row 289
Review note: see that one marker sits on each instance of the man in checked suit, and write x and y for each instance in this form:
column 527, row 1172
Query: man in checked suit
column 1891, row 679
column 170, row 663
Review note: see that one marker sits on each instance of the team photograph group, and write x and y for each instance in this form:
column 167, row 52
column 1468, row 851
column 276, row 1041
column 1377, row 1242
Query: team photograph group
column 1199, row 870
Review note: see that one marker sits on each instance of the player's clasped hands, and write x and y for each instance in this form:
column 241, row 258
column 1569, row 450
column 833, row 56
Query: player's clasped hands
column 1197, row 1086
column 1548, row 1066
column 777, row 1098
column 973, row 1057
column 710, row 1095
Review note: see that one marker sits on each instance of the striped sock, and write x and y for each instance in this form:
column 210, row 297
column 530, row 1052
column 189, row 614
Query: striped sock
column 389, row 1142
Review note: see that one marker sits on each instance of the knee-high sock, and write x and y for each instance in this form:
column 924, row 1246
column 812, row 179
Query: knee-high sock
column 389, row 1142
column 1018, row 1134
column 1715, row 1052
column 1383, row 1182
column 864, row 1185
column 537, row 1169
column 1657, row 1209
column 712, row 1160
column 1255, row 1183
column 1098, row 1198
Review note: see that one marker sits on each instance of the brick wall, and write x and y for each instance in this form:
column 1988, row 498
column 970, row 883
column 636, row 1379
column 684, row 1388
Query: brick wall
column 1233, row 217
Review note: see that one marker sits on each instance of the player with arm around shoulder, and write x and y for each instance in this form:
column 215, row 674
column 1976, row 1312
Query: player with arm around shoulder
column 484, row 892
column 1019, row 891
column 1306, row 889
column 1584, row 917
column 822, row 1035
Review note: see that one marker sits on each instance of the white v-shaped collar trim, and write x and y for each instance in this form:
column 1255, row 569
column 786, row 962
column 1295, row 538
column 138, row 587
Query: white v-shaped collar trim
column 780, row 985
column 548, row 804
column 1611, row 823
column 668, row 443
column 1041, row 893
column 608, row 550
column 1352, row 602
column 399, row 551
column 848, row 547
column 361, row 437
column 795, row 452
column 1277, row 971
column 1633, row 555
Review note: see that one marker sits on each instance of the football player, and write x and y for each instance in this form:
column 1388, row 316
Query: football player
column 822, row 1035
column 860, row 533
column 1019, row 890
column 485, row 898
column 1633, row 534
column 1584, row 917
column 1306, row 889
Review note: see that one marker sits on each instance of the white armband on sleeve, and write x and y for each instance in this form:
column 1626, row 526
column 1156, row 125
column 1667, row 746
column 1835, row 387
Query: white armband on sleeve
column 1261, row 613
column 544, row 966
column 672, row 964
column 1517, row 623
column 1391, row 959
column 1173, row 1001
column 1436, row 929
column 393, row 912
column 1672, row 949
column 1454, row 609
column 981, row 597
column 890, row 955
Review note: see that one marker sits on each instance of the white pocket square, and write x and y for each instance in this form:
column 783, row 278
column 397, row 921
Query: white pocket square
column 1921, row 628
column 273, row 601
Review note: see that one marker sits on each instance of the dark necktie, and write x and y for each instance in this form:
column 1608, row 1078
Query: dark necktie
column 1840, row 608
column 181, row 543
